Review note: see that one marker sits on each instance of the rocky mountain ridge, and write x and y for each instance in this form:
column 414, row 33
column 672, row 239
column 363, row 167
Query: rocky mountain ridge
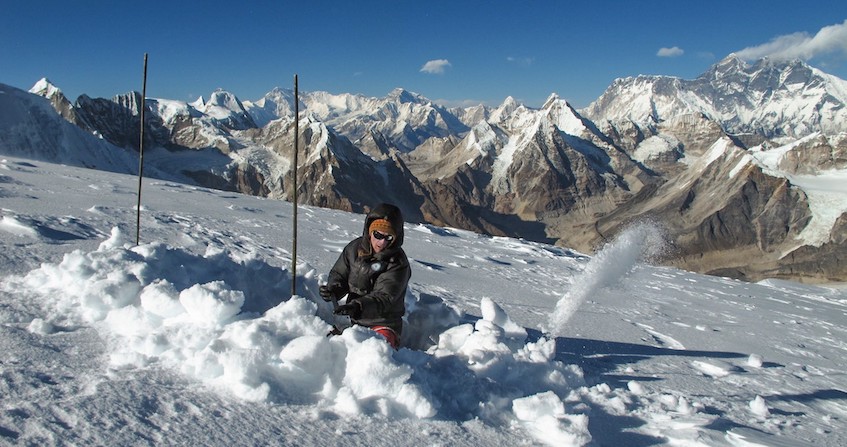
column 678, row 152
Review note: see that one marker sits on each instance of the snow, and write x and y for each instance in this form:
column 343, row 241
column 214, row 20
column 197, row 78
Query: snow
column 827, row 195
column 482, row 140
column 742, row 164
column 170, row 109
column 655, row 146
column 193, row 337
column 563, row 117
column 501, row 165
column 46, row 86
column 321, row 133
column 826, row 191
column 516, row 143
column 716, row 151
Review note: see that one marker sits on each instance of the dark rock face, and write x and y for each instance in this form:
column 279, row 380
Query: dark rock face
column 117, row 120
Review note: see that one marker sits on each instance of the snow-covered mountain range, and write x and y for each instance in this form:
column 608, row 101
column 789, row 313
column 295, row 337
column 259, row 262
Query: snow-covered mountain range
column 767, row 99
column 728, row 163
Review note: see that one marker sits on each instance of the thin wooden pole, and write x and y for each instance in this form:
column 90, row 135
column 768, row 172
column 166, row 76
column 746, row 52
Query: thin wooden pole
column 294, row 185
column 141, row 155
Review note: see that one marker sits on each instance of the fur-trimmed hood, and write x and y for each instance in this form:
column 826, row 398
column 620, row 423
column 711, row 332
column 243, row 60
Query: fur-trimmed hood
column 390, row 213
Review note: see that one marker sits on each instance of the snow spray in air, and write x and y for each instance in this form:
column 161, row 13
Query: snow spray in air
column 638, row 243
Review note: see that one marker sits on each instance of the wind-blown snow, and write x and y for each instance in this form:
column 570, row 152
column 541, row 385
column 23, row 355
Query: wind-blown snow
column 193, row 337
column 608, row 268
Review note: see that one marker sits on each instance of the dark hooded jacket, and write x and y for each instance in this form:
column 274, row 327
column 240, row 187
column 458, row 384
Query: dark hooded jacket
column 377, row 281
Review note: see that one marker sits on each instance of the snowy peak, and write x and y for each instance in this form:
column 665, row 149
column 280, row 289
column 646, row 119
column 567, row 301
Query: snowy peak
column 734, row 74
column 227, row 109
column 30, row 127
column 403, row 118
column 563, row 116
column 404, row 96
column 509, row 103
column 45, row 88
column 769, row 98
column 508, row 107
column 60, row 102
column 221, row 98
column 504, row 111
column 277, row 103
column 277, row 95
column 551, row 100
column 728, row 66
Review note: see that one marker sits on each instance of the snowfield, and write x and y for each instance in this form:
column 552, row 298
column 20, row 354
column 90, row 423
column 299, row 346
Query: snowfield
column 193, row 336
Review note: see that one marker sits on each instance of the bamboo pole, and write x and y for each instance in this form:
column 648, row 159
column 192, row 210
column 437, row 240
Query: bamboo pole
column 141, row 155
column 295, row 185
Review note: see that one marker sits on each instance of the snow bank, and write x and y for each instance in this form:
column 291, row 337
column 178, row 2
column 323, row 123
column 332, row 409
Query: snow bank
column 225, row 320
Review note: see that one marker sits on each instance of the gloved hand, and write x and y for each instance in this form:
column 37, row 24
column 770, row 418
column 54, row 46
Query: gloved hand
column 327, row 291
column 354, row 310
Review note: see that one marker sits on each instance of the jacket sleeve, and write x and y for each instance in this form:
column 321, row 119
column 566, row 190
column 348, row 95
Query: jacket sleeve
column 340, row 272
column 389, row 290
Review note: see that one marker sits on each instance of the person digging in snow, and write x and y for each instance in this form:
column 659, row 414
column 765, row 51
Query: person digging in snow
column 373, row 271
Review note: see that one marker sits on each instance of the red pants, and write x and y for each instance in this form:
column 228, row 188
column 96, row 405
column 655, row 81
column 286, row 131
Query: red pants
column 389, row 334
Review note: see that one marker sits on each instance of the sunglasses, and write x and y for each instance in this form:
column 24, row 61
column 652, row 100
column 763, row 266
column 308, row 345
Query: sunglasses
column 379, row 236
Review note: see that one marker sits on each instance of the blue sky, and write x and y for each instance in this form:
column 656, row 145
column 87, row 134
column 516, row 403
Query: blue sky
column 453, row 52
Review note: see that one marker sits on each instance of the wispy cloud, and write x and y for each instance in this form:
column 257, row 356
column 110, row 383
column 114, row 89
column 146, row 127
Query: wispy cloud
column 670, row 52
column 436, row 66
column 830, row 39
column 523, row 61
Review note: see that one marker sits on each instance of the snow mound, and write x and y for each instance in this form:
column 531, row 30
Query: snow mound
column 225, row 320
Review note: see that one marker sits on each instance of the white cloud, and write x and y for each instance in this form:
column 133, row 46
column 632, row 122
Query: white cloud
column 670, row 52
column 523, row 61
column 436, row 66
column 830, row 39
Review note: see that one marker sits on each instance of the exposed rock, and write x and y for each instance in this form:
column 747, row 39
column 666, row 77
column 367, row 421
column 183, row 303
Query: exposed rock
column 723, row 214
column 812, row 155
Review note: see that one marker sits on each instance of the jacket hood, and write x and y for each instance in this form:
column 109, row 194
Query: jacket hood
column 390, row 213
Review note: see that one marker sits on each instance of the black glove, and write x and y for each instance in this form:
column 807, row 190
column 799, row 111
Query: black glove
column 354, row 310
column 328, row 292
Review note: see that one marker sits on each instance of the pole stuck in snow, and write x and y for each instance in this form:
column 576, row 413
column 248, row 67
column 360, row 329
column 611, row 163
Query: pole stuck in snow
column 294, row 185
column 141, row 155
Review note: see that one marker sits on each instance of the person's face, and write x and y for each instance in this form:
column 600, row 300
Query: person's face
column 380, row 241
